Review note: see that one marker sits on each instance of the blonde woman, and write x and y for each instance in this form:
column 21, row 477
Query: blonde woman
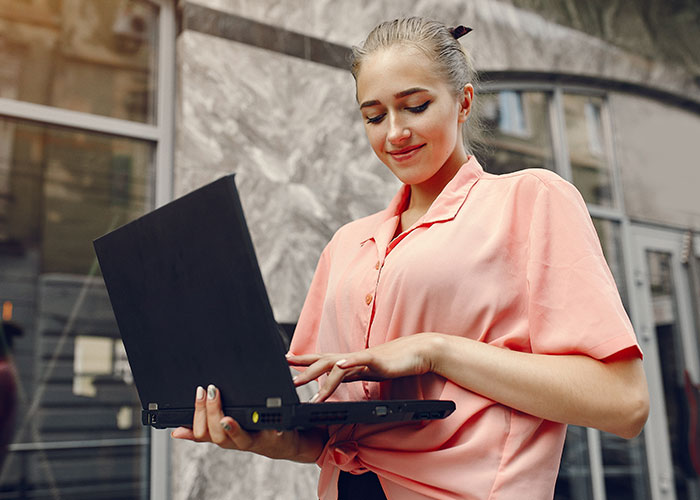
column 488, row 290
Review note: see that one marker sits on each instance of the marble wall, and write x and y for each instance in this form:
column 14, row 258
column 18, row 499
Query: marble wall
column 505, row 37
column 291, row 131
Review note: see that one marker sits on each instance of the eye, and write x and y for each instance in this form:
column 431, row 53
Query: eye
column 375, row 119
column 421, row 108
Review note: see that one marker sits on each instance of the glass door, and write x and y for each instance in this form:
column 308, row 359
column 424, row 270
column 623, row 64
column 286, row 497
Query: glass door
column 664, row 320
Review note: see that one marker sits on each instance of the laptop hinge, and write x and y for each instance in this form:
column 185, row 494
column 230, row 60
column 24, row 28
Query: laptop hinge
column 152, row 406
column 273, row 402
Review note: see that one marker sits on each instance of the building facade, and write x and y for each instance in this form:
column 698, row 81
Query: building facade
column 109, row 109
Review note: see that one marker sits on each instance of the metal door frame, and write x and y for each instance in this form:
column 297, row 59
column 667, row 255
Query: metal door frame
column 644, row 238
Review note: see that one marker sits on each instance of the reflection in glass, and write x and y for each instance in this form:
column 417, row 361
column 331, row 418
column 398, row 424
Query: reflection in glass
column 679, row 410
column 516, row 131
column 574, row 479
column 584, row 133
column 611, row 242
column 59, row 190
column 82, row 55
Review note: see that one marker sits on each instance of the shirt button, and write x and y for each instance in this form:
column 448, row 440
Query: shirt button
column 368, row 299
column 376, row 266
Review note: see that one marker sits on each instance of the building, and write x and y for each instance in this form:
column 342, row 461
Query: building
column 110, row 108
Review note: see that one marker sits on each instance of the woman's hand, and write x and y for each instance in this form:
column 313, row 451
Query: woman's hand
column 211, row 425
column 399, row 358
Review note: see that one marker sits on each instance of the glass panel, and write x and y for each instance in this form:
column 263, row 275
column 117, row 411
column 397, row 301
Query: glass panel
column 574, row 479
column 60, row 189
column 584, row 134
column 611, row 243
column 516, row 131
column 624, row 461
column 681, row 407
column 95, row 57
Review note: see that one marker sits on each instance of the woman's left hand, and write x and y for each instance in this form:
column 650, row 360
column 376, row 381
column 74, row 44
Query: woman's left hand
column 399, row 358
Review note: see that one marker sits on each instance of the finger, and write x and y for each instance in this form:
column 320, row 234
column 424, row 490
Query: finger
column 240, row 438
column 335, row 377
column 199, row 423
column 315, row 370
column 361, row 358
column 302, row 359
column 182, row 433
column 214, row 415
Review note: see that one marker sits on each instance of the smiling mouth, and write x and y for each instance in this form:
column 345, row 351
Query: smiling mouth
column 401, row 153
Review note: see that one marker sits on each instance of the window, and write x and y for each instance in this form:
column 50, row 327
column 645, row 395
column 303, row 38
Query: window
column 85, row 127
column 94, row 57
column 590, row 168
column 517, row 131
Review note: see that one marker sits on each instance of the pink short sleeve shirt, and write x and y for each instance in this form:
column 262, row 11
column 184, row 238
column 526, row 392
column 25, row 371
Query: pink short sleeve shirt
column 511, row 260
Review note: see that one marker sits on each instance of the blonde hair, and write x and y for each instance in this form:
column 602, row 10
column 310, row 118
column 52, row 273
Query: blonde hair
column 432, row 38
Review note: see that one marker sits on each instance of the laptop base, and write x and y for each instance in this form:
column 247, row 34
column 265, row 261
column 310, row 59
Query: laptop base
column 305, row 415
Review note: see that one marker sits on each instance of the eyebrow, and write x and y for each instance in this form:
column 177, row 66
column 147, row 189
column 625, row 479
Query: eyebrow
column 403, row 93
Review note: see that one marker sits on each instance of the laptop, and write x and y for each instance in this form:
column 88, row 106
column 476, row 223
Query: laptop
column 192, row 310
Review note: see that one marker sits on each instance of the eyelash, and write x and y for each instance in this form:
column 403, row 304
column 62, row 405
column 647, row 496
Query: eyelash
column 414, row 109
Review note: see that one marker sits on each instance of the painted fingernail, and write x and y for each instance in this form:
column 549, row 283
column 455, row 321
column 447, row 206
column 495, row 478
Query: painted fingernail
column 314, row 398
column 200, row 392
column 341, row 362
column 211, row 391
column 225, row 425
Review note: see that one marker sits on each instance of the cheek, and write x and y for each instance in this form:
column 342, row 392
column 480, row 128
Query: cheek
column 442, row 129
column 375, row 137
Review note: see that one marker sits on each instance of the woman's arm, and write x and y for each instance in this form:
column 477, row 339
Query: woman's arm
column 210, row 425
column 610, row 395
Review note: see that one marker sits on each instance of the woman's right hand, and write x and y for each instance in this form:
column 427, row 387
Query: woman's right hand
column 211, row 425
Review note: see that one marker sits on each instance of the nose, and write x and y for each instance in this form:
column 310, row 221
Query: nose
column 398, row 131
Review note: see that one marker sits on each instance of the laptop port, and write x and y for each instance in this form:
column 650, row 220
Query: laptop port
column 329, row 416
column 381, row 411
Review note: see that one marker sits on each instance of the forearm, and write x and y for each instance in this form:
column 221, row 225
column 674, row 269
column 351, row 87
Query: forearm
column 573, row 389
column 310, row 444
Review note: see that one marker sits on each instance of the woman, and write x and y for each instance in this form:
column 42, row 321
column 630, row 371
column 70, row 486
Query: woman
column 491, row 291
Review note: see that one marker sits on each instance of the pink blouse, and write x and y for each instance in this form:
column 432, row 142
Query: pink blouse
column 511, row 260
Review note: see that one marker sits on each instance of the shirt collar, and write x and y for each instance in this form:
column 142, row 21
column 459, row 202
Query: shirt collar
column 446, row 205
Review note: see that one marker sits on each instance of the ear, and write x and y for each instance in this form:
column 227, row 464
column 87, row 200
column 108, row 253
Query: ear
column 465, row 104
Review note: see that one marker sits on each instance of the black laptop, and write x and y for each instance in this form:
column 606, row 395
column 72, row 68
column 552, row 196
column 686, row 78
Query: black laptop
column 192, row 310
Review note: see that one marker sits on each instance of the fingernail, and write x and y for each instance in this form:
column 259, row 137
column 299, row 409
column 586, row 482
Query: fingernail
column 211, row 391
column 295, row 378
column 314, row 398
column 200, row 392
column 288, row 355
column 341, row 362
column 226, row 426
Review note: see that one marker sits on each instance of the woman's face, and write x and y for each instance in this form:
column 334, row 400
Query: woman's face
column 412, row 118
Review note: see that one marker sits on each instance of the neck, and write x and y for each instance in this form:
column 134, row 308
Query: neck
column 423, row 195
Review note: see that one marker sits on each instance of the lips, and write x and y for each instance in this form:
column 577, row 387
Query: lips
column 405, row 153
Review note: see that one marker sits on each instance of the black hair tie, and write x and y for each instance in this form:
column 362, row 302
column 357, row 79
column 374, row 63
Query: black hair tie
column 459, row 31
